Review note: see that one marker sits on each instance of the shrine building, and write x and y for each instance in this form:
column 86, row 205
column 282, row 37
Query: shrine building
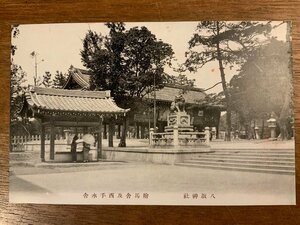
column 141, row 120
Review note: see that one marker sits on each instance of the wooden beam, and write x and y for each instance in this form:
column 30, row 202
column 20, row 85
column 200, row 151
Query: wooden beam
column 43, row 144
column 52, row 141
column 75, row 124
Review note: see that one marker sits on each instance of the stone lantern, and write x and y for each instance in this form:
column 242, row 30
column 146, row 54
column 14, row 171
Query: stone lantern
column 214, row 133
column 272, row 126
column 256, row 129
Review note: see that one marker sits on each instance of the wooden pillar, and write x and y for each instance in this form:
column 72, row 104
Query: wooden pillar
column 142, row 131
column 137, row 131
column 84, row 130
column 52, row 141
column 124, row 130
column 100, row 139
column 119, row 131
column 111, row 130
column 62, row 132
column 105, row 132
column 43, row 144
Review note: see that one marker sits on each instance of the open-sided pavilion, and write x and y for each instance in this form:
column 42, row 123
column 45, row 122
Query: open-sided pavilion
column 69, row 108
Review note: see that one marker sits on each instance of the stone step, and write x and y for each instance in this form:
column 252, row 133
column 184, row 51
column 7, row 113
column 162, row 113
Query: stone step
column 254, row 154
column 257, row 165
column 234, row 168
column 264, row 161
column 256, row 157
column 252, row 149
column 256, row 150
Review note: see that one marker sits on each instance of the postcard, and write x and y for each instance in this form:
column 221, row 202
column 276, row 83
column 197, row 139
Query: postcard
column 152, row 113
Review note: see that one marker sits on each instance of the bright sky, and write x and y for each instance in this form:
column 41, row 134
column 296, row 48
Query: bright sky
column 59, row 45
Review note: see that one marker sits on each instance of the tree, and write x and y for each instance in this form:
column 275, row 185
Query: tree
column 59, row 79
column 127, row 62
column 47, row 82
column 226, row 43
column 180, row 80
column 18, row 77
column 263, row 85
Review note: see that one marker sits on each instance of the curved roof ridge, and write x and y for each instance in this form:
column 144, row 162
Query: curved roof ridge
column 71, row 93
column 62, row 100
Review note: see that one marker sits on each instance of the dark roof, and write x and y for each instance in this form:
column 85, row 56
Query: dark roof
column 192, row 95
column 168, row 93
column 80, row 76
column 72, row 101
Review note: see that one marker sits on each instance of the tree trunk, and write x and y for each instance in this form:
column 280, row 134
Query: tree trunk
column 284, row 114
column 227, row 97
column 218, row 122
column 123, row 133
column 283, row 118
column 262, row 128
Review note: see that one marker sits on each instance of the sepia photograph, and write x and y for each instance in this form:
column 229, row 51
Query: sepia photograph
column 152, row 113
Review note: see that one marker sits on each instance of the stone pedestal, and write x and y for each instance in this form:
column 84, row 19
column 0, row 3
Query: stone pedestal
column 181, row 119
column 175, row 136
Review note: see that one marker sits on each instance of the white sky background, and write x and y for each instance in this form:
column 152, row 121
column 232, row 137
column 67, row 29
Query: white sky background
column 59, row 46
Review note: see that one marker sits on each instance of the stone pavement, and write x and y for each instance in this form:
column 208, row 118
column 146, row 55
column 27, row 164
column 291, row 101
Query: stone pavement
column 166, row 185
column 66, row 183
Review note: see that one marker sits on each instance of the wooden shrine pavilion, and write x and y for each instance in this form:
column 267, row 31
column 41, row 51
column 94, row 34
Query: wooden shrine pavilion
column 140, row 119
column 69, row 108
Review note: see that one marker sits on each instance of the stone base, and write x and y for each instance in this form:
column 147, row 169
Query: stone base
column 181, row 128
column 168, row 156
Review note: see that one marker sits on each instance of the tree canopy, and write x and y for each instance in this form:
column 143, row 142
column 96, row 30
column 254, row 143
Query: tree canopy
column 227, row 43
column 127, row 62
column 263, row 84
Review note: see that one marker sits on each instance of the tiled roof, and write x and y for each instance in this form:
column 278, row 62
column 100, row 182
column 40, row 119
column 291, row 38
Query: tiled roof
column 72, row 101
column 81, row 77
column 168, row 93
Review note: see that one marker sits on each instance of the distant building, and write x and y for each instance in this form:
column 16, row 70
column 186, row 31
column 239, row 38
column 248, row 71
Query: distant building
column 141, row 119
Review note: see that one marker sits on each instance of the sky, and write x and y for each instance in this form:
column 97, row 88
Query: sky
column 58, row 47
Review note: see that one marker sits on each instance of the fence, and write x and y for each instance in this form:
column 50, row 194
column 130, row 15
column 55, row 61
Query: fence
column 18, row 142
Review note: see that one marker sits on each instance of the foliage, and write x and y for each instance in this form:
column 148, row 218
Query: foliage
column 59, row 79
column 213, row 100
column 47, row 82
column 236, row 42
column 17, row 79
column 127, row 62
column 180, row 80
column 263, row 83
column 227, row 43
